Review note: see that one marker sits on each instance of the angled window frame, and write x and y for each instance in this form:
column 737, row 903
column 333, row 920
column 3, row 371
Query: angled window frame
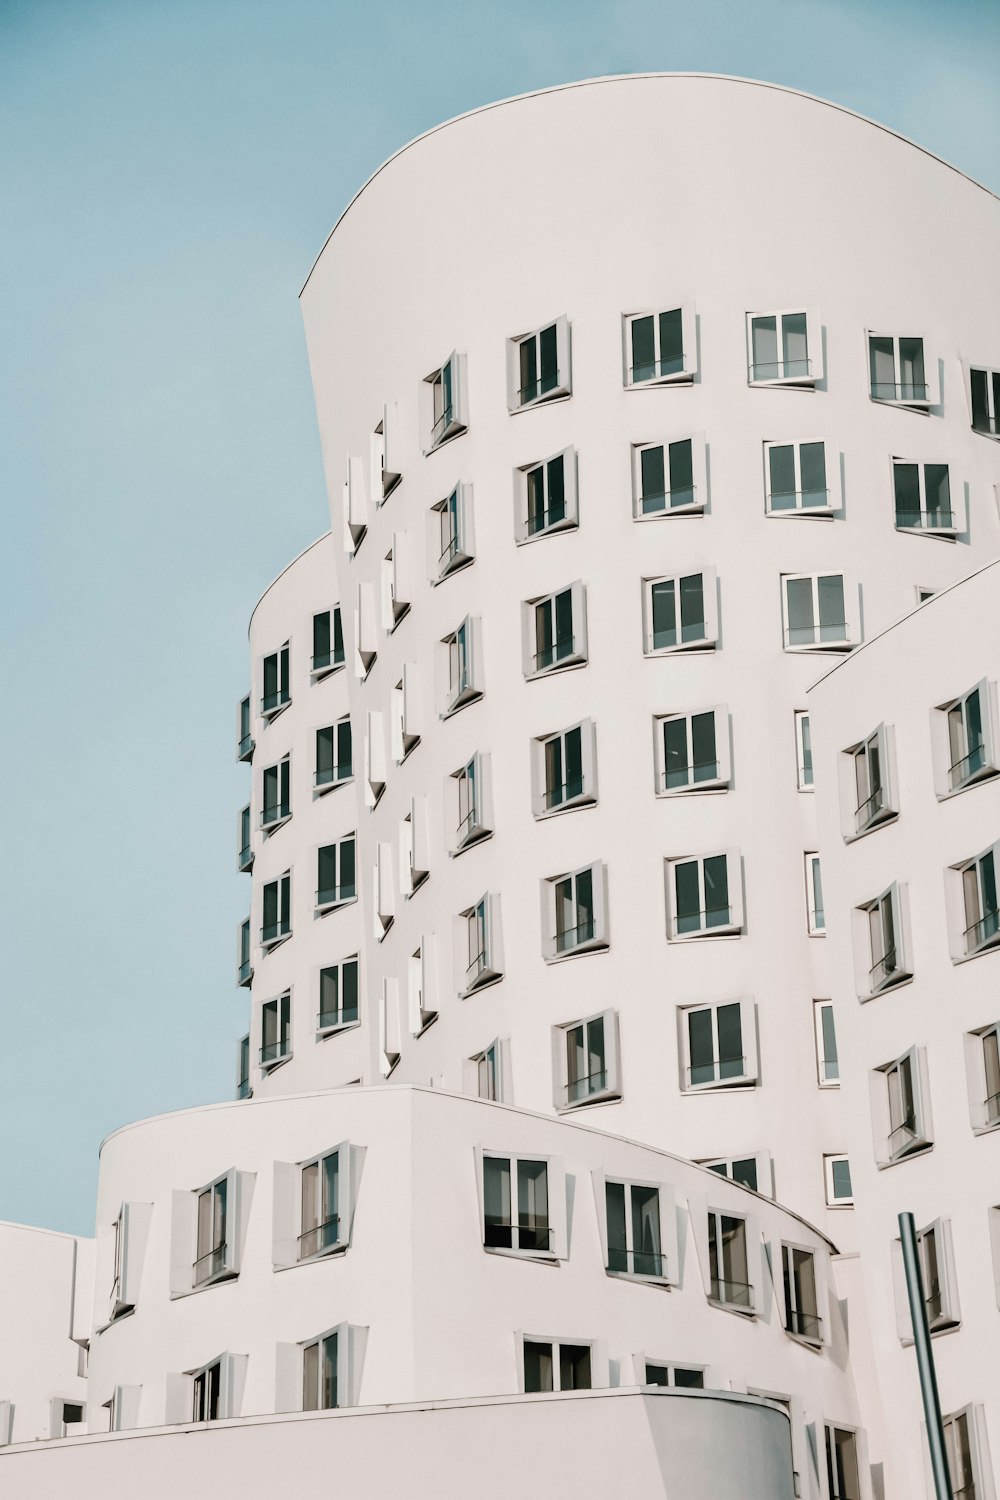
column 672, row 369
column 563, row 651
column 901, row 1108
column 975, row 882
column 346, row 1015
column 733, row 923
column 548, row 383
column 447, row 407
column 275, row 1031
column 451, row 543
column 600, row 1041
column 469, row 804
column 721, row 1074
column 272, row 934
column 340, row 755
column 708, row 639
column 925, row 523
column 479, row 945
column 717, row 773
column 278, row 677
column 799, row 1267
column 275, row 814
column 245, row 743
column 871, row 797
column 883, row 946
column 983, row 396
column 821, row 509
column 827, row 1051
column 830, row 1162
column 804, row 769
column 560, row 511
column 462, row 667
column 802, row 371
column 328, row 654
column 815, row 911
column 691, row 499
column 572, row 761
column 342, row 892
column 982, row 1066
column 966, row 743
column 911, row 394
column 583, row 890
column 846, row 641
column 541, row 1231
column 656, row 1261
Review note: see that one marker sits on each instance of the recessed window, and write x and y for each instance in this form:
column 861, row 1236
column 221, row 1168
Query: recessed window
column 795, row 479
column 338, row 996
column 815, row 914
column 981, row 930
column 479, row 956
column 984, row 390
column 754, row 1172
column 969, row 752
column 319, row 1373
column 447, row 413
column 546, row 496
column 245, row 859
column 669, row 478
column 827, row 1057
column 470, row 802
column 488, row 1071
column 277, row 907
column 680, row 613
column 277, row 694
column 982, row 1057
column 727, row 1258
column 704, row 896
column 692, row 751
column 575, row 911
column 462, row 676
column 243, row 1089
column 872, row 783
column 207, row 1393
column 968, row 1464
column 923, row 498
column 336, row 881
column 276, row 800
column 783, row 348
column 901, row 1108
column 635, row 1243
column 275, row 1031
column 798, row 1270
column 556, row 1367
column 214, row 1251
column 245, row 741
column 803, row 752
column 328, row 642
column 898, row 371
column 322, row 1227
column 538, row 366
column 555, row 631
column 564, row 769
column 842, row 1468
column 815, row 612
column 837, row 1175
column 659, row 347
column 244, row 964
column 684, row 1377
column 516, row 1204
column 451, row 542
column 334, row 754
column 586, row 1061
column 719, row 1045
column 882, row 943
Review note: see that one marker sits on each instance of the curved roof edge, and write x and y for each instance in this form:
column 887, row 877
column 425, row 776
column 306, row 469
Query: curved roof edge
column 580, row 83
column 278, row 576
column 845, row 661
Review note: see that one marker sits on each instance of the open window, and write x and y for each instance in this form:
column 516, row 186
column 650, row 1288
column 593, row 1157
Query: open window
column 461, row 672
column 334, row 755
column 843, row 1463
column 968, row 1454
column 837, row 1176
column 130, row 1233
column 468, row 804
column 277, row 692
column 386, row 454
column 244, row 738
column 275, row 1031
column 982, row 1066
column 801, row 1294
column 922, row 494
column 936, row 1255
column 243, row 1086
column 827, row 1056
column 277, row 911
column 478, row 945
column 784, row 348
column 398, row 582
column 355, row 505
column 244, row 859
column 984, row 400
column 901, row 1107
column 980, row 907
column 818, row 612
column 755, row 1172
column 244, row 959
column 815, row 912
column 538, row 366
column 586, row 1061
column 965, row 739
column 882, row 942
column 422, row 986
column 660, row 347
column 545, row 496
column 276, row 799
column 704, row 895
column 870, row 791
column 729, row 1283
column 638, row 1225
column 365, row 641
column 692, row 751
column 328, row 642
column 208, row 1232
column 680, row 613
column 803, row 752
column 575, row 912
column 414, row 847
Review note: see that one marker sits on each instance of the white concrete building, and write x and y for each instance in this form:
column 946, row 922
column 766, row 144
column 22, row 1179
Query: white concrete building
column 532, row 833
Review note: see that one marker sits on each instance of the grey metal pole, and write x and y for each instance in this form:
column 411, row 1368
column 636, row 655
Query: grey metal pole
column 925, row 1357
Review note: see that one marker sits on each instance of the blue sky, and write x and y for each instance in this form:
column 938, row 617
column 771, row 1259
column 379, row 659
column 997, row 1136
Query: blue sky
column 168, row 173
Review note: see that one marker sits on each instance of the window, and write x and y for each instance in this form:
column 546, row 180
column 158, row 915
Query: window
column 564, row 769
column 276, row 691
column 815, row 613
column 335, row 874
column 244, row 969
column 517, row 1184
column 245, row 742
column 575, row 909
column 334, row 754
column 586, row 1061
column 405, row 715
column 660, row 347
column 979, row 895
column 816, row 916
column 704, row 896
column 837, row 1175
column 937, row 1271
column 383, row 894
column 842, row 1471
column 923, row 497
column 982, row 1055
column 783, row 348
column 682, row 1376
column 451, row 544
column 984, row 390
column 827, row 1060
column 421, row 986
column 275, row 1031
column 207, row 1387
column 365, row 644
column 727, row 1257
column 277, row 902
column 804, row 754
column 214, row 1249
column 471, row 813
column 967, row 1464
column 319, row 1373
column 397, row 583
column 276, row 800
column 923, row 594
column 462, row 676
column 897, row 370
column 374, row 758
column 389, row 1029
column 719, row 1045
column 479, row 959
column 538, row 366
column 681, row 613
column 546, row 496
column 635, row 1246
column 414, row 848
column 386, row 458
column 338, row 996
column 319, row 1207
column 669, row 478
column 754, row 1172
column 901, row 1113
column 692, row 751
column 556, row 1367
column 245, row 859
column 874, row 799
column 970, row 754
column 328, row 641
column 884, row 946
column 243, row 1089
column 447, row 410
column 488, row 1068
column 795, row 480
column 130, row 1233
column 555, row 631
column 355, row 505
column 123, row 1408
column 798, row 1270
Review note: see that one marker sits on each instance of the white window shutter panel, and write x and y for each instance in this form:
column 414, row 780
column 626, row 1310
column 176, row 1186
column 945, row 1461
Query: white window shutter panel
column 564, row 354
column 558, row 1206
column 285, row 1203
column 697, row 1206
column 710, row 586
column 287, row 1377
column 136, row 1219
column 183, row 1220
column 179, row 1399
column 127, row 1402
column 242, row 1186
column 6, row 1422
column 233, row 1378
column 689, row 334
column 814, row 343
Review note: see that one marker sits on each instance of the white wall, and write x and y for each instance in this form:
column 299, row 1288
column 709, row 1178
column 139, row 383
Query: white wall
column 45, row 1292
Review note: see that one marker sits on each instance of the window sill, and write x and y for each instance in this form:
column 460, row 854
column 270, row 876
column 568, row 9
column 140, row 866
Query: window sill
column 696, row 788
column 599, row 1096
column 524, row 539
column 891, row 816
column 269, row 714
column 453, row 431
column 463, row 560
column 322, row 1032
column 887, row 988
column 685, row 646
column 705, row 934
column 992, row 945
column 897, row 1161
column 592, row 945
column 719, row 1086
column 924, row 406
column 268, row 828
column 340, row 1248
column 666, row 511
column 802, row 513
column 274, row 1064
column 943, row 533
column 317, row 674
column 542, row 1257
column 844, row 1203
column 275, row 942
column 682, row 377
column 463, row 701
column 476, row 836
column 321, row 788
column 749, row 1313
column 785, row 383
column 565, row 664
column 987, row 773
column 482, row 983
column 558, row 393
column 204, row 1286
column 323, row 909
column 822, row 648
column 663, row 1282
column 817, row 1345
column 990, row 1127
column 570, row 804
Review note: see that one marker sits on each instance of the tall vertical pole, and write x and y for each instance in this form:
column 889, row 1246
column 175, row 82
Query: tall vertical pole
column 925, row 1357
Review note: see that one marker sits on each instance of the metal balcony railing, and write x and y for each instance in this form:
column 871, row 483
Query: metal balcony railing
column 806, row 1325
column 331, row 658
column 442, row 424
column 717, row 1070
column 244, row 972
column 732, row 1293
column 828, row 632
column 272, row 931
column 676, row 776
column 328, row 1020
column 979, row 933
column 246, row 857
column 651, row 501
column 245, row 747
column 565, row 791
column 655, row 369
column 272, row 1052
column 529, row 1233
column 882, row 971
column 243, row 1089
column 780, row 369
column 903, row 1136
column 209, row 1264
column 904, row 390
column 578, row 1089
column 572, row 937
column 925, row 520
column 968, row 765
column 549, row 656
column 541, row 520
column 278, row 812
column 797, row 499
column 992, row 1108
column 327, row 775
column 321, row 1237
column 636, row 1262
column 540, row 387
column 271, row 702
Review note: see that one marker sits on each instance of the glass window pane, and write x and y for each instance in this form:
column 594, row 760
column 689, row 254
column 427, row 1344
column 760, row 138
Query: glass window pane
column 705, row 764
column 671, row 342
column 549, row 358
column 731, row 1062
column 717, row 911
column 537, row 1367
column 496, row 1201
column 745, row 1171
column 882, row 368
column 781, row 465
column 574, row 1367
column 617, row 1244
column 643, row 353
column 795, row 353
column 906, row 482
column 574, row 762
column 557, row 489
column 677, row 768
column 692, row 608
column 912, row 386
column 681, row 473
column 832, row 618
column 664, row 612
column 812, row 464
column 764, row 342
column 652, row 480
column 687, row 896
column 701, row 1046
column 840, row 1172
column 801, row 624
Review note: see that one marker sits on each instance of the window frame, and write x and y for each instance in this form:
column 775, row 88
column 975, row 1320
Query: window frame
column 830, row 1159
column 280, row 1049
column 825, row 511
column 872, row 977
column 858, row 1457
column 720, row 782
column 331, row 898
column 339, row 1020
column 947, row 784
column 710, row 608
column 452, row 419
column 587, row 795
column 889, row 1101
column 336, row 657
column 991, row 378
column 947, row 532
column 805, row 774
column 749, row 1076
column 735, row 926
column 746, row 1309
column 815, row 909
column 343, row 1218
column 792, row 1314
column 271, row 705
column 570, row 518
column 459, row 549
column 555, row 1227
column 555, row 1346
column 982, row 1067
column 244, row 857
column 245, row 743
column 688, row 372
column 228, row 1248
column 974, row 1418
column 881, row 805
column 461, row 652
column 598, row 927
column 485, row 912
column 815, row 371
column 577, row 653
column 697, row 505
column 668, row 1272
column 465, row 829
column 244, row 1088
column 562, row 387
column 967, row 878
column 912, row 402
column 851, row 637
column 385, row 466
column 824, row 1079
column 490, row 1067
column 608, row 1088
column 321, row 788
column 244, row 953
column 283, row 925
column 282, row 809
